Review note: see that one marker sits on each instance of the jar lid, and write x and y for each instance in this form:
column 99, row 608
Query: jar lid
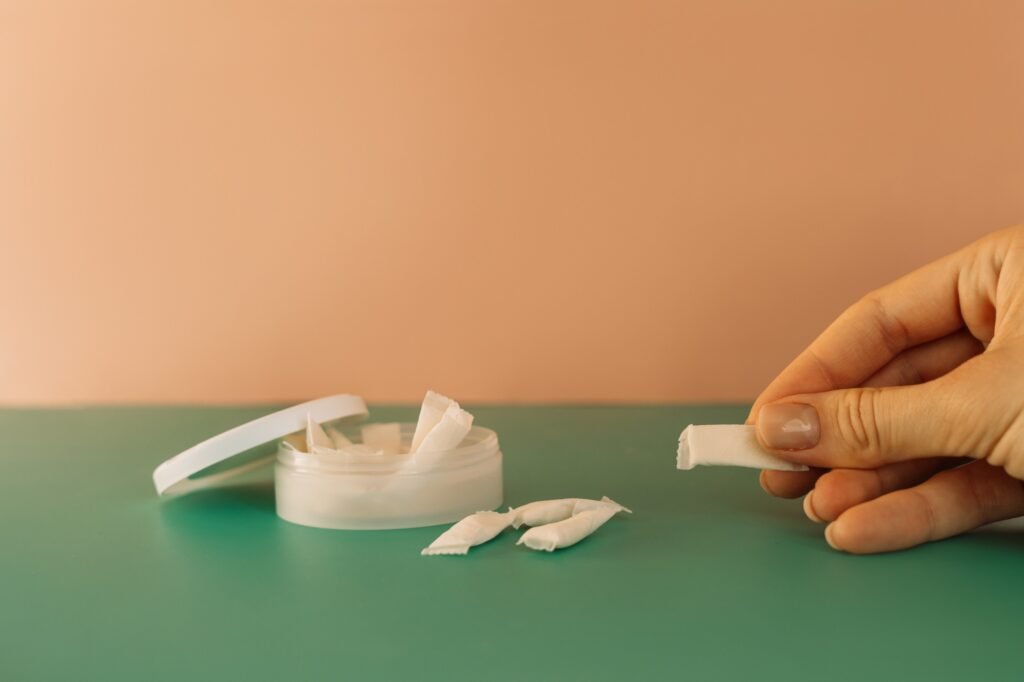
column 177, row 472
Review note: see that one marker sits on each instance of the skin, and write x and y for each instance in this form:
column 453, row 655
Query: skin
column 919, row 390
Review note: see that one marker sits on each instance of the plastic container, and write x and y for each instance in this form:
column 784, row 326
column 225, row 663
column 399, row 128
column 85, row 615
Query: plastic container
column 346, row 491
column 387, row 491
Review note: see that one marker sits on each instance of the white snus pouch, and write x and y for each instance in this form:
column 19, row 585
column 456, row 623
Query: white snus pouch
column 431, row 411
column 316, row 437
column 329, row 473
column 569, row 531
column 455, row 423
column 727, row 445
column 339, row 439
column 469, row 532
column 549, row 511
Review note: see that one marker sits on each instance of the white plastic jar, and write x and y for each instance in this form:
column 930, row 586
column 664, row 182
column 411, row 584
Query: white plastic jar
column 344, row 490
column 387, row 491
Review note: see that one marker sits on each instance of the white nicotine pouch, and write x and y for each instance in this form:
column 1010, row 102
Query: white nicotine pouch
column 448, row 433
column 339, row 439
column 727, row 445
column 569, row 531
column 431, row 412
column 329, row 441
column 316, row 437
column 473, row 530
column 549, row 511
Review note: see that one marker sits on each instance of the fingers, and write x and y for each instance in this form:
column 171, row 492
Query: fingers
column 789, row 484
column 842, row 489
column 934, row 301
column 866, row 427
column 927, row 361
column 913, row 366
column 947, row 504
column 917, row 308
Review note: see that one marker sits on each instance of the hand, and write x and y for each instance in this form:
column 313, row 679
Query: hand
column 910, row 406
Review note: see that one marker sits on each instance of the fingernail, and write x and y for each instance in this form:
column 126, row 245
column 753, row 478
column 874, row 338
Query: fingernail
column 809, row 508
column 789, row 426
column 828, row 537
column 764, row 483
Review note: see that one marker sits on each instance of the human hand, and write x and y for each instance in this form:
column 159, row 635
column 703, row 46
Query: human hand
column 910, row 407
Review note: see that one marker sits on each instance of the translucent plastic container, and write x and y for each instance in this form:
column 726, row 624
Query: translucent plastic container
column 387, row 491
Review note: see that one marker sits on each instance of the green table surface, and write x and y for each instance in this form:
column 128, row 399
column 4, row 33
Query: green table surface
column 708, row 579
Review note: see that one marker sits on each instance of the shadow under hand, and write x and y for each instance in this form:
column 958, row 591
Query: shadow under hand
column 1007, row 534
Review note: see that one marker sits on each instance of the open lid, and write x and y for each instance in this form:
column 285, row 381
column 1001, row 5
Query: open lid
column 177, row 472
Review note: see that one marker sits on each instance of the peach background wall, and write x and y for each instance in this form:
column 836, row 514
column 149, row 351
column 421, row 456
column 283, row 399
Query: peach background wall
column 505, row 200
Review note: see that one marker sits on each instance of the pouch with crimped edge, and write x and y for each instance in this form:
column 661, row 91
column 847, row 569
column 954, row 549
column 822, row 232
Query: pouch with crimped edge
column 445, row 437
column 432, row 410
column 569, row 531
column 447, row 434
column 473, row 530
column 548, row 511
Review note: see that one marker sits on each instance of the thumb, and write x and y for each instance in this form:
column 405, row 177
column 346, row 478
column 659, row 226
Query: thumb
column 861, row 427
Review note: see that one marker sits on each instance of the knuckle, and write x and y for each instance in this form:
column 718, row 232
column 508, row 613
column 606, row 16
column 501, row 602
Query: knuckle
column 1004, row 445
column 828, row 376
column 985, row 418
column 980, row 494
column 892, row 331
column 929, row 520
column 856, row 419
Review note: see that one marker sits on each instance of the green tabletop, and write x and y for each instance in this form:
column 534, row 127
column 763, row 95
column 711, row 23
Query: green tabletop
column 708, row 579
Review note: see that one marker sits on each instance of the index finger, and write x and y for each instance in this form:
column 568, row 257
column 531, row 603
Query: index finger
column 920, row 307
